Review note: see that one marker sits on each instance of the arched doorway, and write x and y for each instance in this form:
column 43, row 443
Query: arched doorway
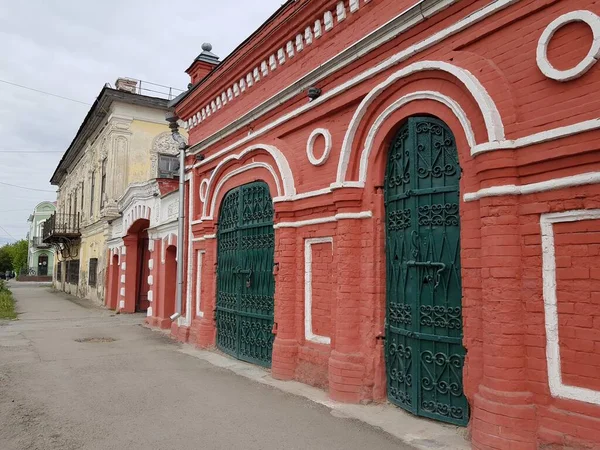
column 43, row 265
column 245, row 282
column 424, row 352
column 137, row 267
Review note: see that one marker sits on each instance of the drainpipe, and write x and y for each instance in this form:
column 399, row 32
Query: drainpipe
column 172, row 119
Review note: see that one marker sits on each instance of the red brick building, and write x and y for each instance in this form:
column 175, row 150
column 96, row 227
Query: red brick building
column 399, row 200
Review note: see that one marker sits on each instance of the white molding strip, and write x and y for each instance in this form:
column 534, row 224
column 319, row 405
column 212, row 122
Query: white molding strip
column 199, row 261
column 557, row 387
column 401, row 23
column 539, row 138
column 542, row 186
column 205, row 238
column 308, row 329
column 320, row 220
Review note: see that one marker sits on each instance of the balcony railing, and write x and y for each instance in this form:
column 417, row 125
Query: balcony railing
column 61, row 226
column 38, row 241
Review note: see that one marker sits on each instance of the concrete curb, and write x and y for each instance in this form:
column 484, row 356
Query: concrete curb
column 420, row 433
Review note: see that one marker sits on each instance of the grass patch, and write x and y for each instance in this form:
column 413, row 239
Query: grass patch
column 7, row 303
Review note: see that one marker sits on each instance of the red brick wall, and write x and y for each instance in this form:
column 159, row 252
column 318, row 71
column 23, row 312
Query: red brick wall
column 506, row 376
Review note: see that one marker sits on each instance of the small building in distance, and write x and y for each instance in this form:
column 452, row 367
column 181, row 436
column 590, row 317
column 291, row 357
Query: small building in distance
column 40, row 254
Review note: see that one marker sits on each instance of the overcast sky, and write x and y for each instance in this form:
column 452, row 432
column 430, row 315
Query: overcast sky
column 71, row 48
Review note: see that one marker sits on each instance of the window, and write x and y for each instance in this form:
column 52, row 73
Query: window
column 75, row 205
column 103, row 183
column 59, row 272
column 82, row 191
column 92, row 271
column 92, row 189
column 168, row 166
column 73, row 271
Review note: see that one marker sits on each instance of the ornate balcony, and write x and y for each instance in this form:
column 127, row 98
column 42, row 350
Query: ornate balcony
column 61, row 228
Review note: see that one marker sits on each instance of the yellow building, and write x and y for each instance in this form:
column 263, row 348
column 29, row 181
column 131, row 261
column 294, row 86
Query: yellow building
column 123, row 139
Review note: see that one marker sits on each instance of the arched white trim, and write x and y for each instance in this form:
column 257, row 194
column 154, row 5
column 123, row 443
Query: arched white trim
column 491, row 115
column 287, row 179
column 208, row 215
column 419, row 95
column 587, row 17
column 310, row 144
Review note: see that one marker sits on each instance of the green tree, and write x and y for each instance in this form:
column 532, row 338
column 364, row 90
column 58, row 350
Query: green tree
column 6, row 258
column 19, row 255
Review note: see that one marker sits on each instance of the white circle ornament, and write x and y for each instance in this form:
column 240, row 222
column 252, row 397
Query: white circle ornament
column 588, row 17
column 311, row 143
column 203, row 190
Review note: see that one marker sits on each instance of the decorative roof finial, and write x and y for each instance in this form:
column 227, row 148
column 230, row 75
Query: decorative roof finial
column 207, row 47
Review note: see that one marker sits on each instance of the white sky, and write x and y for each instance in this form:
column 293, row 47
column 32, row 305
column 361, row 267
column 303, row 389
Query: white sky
column 71, row 48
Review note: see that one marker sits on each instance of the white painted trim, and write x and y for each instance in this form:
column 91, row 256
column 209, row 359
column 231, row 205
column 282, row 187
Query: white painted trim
column 311, row 143
column 150, row 296
column 205, row 237
column 151, row 264
column 308, row 330
column 285, row 172
column 253, row 165
column 149, row 311
column 320, row 220
column 542, row 186
column 557, row 387
column 123, row 266
column 303, row 195
column 122, row 292
column 203, row 190
column 587, row 17
column 122, row 304
column 539, row 138
column 414, row 96
column 150, row 280
column 491, row 115
column 122, row 278
column 396, row 26
column 199, row 260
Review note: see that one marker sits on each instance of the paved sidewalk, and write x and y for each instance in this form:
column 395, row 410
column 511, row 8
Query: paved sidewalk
column 76, row 376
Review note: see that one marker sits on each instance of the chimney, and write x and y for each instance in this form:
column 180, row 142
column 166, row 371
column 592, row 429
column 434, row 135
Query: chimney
column 203, row 64
column 126, row 84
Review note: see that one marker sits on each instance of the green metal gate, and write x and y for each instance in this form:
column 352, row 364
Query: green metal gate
column 424, row 352
column 245, row 283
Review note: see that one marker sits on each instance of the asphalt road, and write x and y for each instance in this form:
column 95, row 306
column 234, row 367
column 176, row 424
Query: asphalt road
column 128, row 388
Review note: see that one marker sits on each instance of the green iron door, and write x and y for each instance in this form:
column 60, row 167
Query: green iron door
column 424, row 352
column 245, row 283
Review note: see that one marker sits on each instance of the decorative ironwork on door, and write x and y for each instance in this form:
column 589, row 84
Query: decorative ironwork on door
column 245, row 283
column 424, row 352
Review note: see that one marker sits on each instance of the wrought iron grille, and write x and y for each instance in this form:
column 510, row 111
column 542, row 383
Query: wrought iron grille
column 245, row 283
column 424, row 352
column 61, row 225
